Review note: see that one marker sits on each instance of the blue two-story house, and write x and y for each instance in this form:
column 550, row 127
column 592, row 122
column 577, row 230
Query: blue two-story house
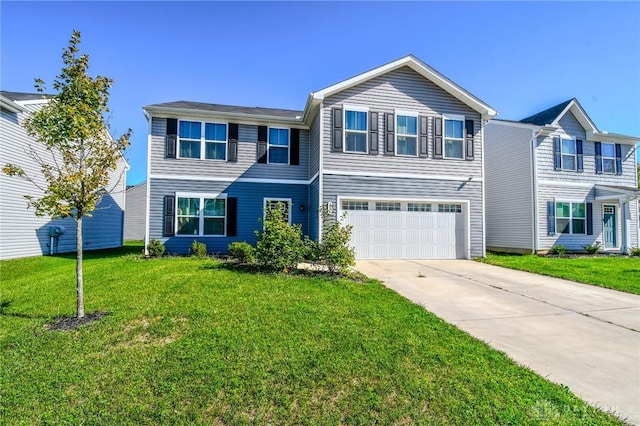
column 397, row 149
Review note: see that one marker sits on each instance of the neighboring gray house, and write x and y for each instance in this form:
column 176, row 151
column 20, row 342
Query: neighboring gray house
column 135, row 215
column 22, row 233
column 555, row 179
column 398, row 149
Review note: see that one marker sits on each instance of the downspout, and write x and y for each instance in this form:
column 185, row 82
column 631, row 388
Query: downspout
column 534, row 176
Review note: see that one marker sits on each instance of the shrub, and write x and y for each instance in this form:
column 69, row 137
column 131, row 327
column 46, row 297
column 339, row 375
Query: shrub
column 558, row 249
column 198, row 249
column 155, row 248
column 592, row 248
column 242, row 251
column 334, row 249
column 311, row 250
column 635, row 251
column 280, row 246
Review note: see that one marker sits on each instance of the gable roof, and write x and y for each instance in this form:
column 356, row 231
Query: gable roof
column 228, row 110
column 547, row 116
column 416, row 65
column 552, row 116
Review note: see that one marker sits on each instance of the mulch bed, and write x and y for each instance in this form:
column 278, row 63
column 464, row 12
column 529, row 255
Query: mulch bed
column 71, row 323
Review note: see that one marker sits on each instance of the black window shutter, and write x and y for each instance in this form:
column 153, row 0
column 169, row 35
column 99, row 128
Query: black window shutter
column 589, row 218
column 579, row 159
column 171, row 139
column 373, row 133
column 169, row 215
column 618, row 159
column 336, row 144
column 294, row 152
column 232, row 217
column 424, row 130
column 232, row 146
column 557, row 155
column 468, row 124
column 551, row 218
column 262, row 144
column 389, row 144
column 437, row 137
column 598, row 158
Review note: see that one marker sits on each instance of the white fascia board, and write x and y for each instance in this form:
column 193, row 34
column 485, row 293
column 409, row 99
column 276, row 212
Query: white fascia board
column 580, row 114
column 232, row 116
column 499, row 122
column 613, row 137
column 10, row 105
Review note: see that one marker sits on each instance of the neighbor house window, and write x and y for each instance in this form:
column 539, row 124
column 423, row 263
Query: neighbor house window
column 571, row 218
column 189, row 139
column 278, row 146
column 215, row 140
column 406, row 135
column 283, row 203
column 387, row 206
column 609, row 158
column 355, row 205
column 450, row 208
column 201, row 216
column 453, row 138
column 568, row 152
column 419, row 207
column 355, row 130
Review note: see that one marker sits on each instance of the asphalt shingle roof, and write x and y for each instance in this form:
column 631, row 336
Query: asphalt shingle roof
column 547, row 116
column 230, row 109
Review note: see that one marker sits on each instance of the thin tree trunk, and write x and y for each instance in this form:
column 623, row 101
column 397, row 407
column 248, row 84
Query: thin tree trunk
column 79, row 289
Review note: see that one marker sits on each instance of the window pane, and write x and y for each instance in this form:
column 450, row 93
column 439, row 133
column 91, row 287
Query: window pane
column 578, row 226
column 189, row 149
column 579, row 210
column 190, row 129
column 356, row 120
column 278, row 155
column 284, row 206
column 214, row 207
column 215, row 132
column 407, row 125
column 568, row 146
column 419, row 207
column 188, row 225
column 188, row 206
column 452, row 149
column 453, row 128
column 568, row 162
column 609, row 165
column 356, row 142
column 215, row 151
column 608, row 150
column 279, row 137
column 213, row 226
column 355, row 205
column 562, row 226
column 562, row 209
column 387, row 206
column 407, row 145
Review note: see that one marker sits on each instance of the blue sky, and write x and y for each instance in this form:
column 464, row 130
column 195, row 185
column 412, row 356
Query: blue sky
column 519, row 57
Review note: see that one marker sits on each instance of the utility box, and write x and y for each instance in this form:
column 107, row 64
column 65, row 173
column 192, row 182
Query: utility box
column 56, row 231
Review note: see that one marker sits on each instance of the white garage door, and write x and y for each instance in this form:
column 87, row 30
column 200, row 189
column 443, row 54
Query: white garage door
column 406, row 230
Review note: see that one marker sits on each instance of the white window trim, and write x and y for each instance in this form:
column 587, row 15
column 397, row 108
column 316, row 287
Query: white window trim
column 288, row 129
column 452, row 117
column 562, row 154
column 201, row 196
column 571, row 203
column 281, row 200
column 356, row 108
column 397, row 133
column 203, row 145
column 615, row 163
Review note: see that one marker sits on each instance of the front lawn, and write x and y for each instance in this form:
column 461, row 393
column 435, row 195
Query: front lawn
column 191, row 341
column 616, row 272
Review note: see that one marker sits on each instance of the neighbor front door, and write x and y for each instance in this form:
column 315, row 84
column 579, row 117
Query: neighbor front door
column 609, row 227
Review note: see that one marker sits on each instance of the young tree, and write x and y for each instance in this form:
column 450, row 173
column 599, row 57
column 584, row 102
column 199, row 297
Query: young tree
column 82, row 154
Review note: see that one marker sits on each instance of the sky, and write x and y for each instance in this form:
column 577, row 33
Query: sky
column 519, row 57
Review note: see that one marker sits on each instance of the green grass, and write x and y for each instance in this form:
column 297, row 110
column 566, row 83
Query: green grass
column 191, row 341
column 615, row 272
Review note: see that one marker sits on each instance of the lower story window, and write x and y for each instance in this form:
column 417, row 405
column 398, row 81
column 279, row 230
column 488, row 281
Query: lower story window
column 201, row 216
column 571, row 218
column 450, row 208
column 283, row 203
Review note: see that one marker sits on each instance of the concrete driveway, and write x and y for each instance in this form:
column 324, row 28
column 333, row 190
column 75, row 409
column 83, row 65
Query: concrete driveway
column 585, row 337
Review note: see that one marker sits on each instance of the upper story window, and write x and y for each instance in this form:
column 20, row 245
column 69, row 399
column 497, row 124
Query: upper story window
column 454, row 137
column 406, row 135
column 609, row 158
column 571, row 218
column 355, row 130
column 201, row 216
column 191, row 140
column 278, row 146
column 568, row 154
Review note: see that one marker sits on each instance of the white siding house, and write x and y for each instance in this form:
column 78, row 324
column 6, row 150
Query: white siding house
column 24, row 234
column 555, row 179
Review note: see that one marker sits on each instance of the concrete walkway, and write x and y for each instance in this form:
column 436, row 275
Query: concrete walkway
column 585, row 337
